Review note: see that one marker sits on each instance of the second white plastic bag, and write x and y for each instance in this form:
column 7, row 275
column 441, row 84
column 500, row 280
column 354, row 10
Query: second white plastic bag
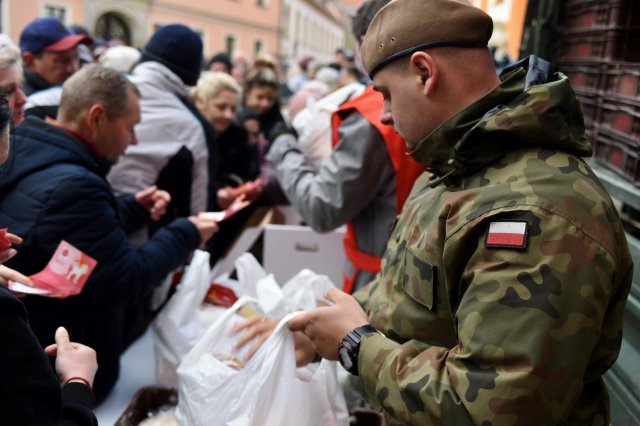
column 264, row 391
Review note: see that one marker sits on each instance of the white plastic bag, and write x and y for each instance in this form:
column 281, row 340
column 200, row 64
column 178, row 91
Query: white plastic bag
column 266, row 391
column 301, row 292
column 184, row 319
column 313, row 123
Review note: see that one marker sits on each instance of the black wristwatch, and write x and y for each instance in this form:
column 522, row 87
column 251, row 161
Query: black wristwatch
column 349, row 348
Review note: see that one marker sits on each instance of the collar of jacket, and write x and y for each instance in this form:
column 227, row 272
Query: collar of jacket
column 530, row 108
column 437, row 150
column 77, row 135
column 82, row 148
column 161, row 77
column 34, row 83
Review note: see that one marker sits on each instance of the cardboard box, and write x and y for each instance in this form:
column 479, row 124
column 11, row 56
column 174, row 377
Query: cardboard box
column 290, row 248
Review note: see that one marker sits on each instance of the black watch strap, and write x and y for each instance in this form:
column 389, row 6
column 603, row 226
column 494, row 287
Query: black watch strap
column 349, row 347
column 364, row 329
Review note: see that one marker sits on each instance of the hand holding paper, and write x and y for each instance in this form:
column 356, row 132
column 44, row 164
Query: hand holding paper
column 65, row 275
column 207, row 222
column 206, row 227
column 7, row 239
column 154, row 200
column 250, row 190
column 237, row 205
column 10, row 275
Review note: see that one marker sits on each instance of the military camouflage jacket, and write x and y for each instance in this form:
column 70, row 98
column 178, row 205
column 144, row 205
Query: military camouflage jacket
column 502, row 290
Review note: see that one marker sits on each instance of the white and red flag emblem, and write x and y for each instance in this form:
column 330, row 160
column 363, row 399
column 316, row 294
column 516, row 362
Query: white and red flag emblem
column 507, row 234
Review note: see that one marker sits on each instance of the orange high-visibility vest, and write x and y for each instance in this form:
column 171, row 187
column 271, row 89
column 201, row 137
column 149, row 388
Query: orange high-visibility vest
column 369, row 104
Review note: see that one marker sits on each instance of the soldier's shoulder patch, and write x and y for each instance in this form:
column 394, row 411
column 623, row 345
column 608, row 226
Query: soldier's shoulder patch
column 508, row 234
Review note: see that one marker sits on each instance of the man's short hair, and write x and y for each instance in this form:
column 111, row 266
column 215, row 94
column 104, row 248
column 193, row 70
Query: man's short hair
column 364, row 15
column 95, row 84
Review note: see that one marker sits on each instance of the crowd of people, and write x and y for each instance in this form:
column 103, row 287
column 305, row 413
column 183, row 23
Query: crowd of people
column 486, row 270
column 117, row 150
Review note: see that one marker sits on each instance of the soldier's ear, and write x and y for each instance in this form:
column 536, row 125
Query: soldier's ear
column 424, row 67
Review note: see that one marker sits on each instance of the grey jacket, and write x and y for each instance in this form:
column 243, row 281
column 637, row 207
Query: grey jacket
column 166, row 126
column 357, row 182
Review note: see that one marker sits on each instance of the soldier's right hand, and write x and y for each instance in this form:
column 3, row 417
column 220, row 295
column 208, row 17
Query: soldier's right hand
column 206, row 227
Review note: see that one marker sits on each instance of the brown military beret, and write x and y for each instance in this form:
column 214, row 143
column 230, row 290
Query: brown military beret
column 406, row 26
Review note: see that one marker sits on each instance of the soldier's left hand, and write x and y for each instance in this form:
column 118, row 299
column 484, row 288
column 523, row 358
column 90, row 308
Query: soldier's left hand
column 327, row 326
column 154, row 200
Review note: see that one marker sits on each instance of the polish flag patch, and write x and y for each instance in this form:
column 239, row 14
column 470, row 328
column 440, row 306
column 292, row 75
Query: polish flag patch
column 507, row 234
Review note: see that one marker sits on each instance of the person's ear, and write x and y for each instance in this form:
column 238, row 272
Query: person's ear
column 426, row 70
column 199, row 101
column 28, row 59
column 95, row 116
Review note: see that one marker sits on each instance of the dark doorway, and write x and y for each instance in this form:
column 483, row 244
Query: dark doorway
column 113, row 26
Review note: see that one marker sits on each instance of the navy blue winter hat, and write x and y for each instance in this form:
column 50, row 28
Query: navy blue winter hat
column 177, row 47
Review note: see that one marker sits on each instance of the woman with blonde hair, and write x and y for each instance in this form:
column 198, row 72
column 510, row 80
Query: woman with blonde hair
column 236, row 168
column 11, row 78
column 217, row 96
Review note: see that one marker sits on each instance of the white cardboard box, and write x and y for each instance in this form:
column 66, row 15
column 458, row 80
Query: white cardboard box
column 290, row 248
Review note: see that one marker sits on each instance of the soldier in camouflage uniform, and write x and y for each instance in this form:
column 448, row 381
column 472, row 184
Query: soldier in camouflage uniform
column 502, row 290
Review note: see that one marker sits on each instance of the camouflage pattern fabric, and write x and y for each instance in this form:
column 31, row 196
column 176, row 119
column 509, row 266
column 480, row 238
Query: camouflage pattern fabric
column 500, row 336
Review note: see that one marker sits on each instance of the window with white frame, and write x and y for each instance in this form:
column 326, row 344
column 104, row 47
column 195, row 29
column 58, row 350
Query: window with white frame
column 55, row 10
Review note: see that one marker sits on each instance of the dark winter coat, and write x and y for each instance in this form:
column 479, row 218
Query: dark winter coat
column 30, row 394
column 53, row 188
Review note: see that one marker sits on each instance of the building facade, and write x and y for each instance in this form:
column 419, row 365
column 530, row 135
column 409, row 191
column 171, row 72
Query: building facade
column 250, row 26
column 508, row 20
column 309, row 29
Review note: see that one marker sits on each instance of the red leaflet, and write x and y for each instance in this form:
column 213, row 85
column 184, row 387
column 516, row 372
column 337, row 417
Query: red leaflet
column 65, row 275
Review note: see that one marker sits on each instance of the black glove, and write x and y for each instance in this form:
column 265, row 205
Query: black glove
column 279, row 129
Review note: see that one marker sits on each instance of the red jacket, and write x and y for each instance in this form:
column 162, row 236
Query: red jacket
column 369, row 104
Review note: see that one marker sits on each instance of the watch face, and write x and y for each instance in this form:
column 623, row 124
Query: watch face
column 345, row 358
